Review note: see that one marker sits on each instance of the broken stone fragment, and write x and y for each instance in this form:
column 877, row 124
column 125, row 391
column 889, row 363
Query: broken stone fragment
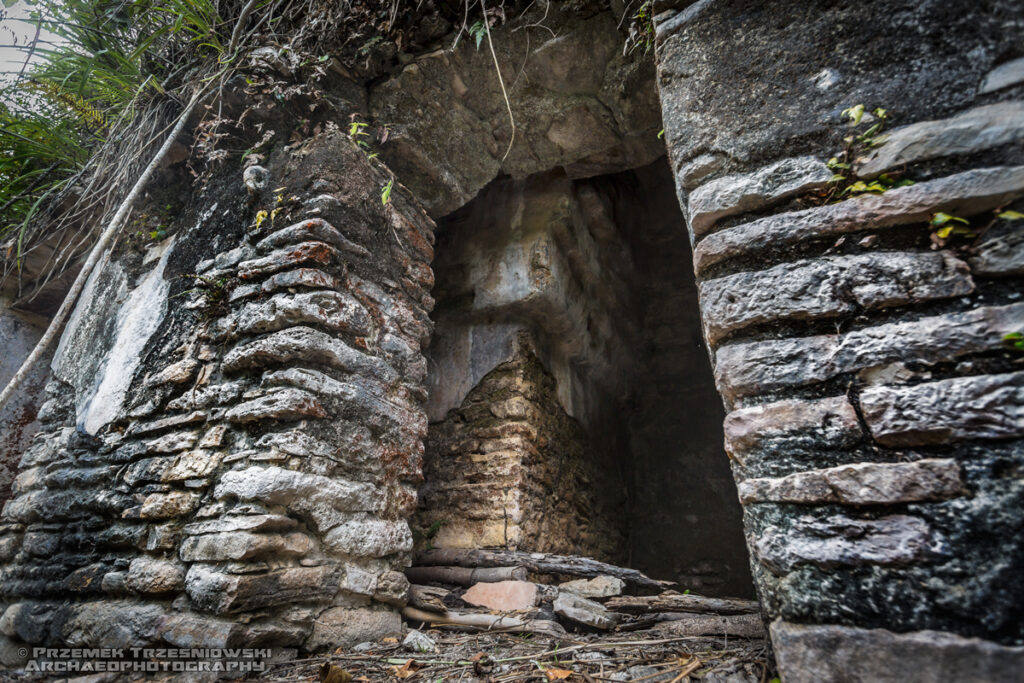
column 168, row 505
column 338, row 311
column 963, row 195
column 343, row 627
column 370, row 537
column 766, row 186
column 312, row 229
column 583, row 611
column 839, row 541
column 220, row 593
column 860, row 484
column 111, row 624
column 829, row 287
column 392, row 589
column 1003, row 76
column 597, row 587
column 152, row 576
column 957, row 409
column 242, row 523
column 503, row 596
column 974, row 130
column 1000, row 251
column 417, row 641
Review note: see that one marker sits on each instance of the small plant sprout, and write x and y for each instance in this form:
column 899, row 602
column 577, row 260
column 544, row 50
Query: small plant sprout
column 477, row 32
column 854, row 113
column 385, row 195
column 260, row 217
column 1010, row 215
column 1015, row 340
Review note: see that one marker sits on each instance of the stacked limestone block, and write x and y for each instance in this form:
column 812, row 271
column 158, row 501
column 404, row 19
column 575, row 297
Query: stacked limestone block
column 510, row 469
column 876, row 412
column 254, row 489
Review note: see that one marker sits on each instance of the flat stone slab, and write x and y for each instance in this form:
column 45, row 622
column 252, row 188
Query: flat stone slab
column 840, row 541
column 583, row 611
column 749, row 192
column 829, row 287
column 313, row 229
column 1003, row 76
column 503, row 596
column 338, row 311
column 826, row 652
column 828, row 422
column 963, row 194
column 974, row 130
column 865, row 483
column 985, row 407
column 597, row 587
column 1000, row 252
column 757, row 367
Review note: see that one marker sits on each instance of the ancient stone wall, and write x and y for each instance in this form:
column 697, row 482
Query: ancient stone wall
column 876, row 412
column 233, row 437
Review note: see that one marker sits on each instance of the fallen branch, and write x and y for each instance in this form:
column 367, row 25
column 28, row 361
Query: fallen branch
column 465, row 576
column 736, row 625
column 486, row 622
column 671, row 601
column 538, row 563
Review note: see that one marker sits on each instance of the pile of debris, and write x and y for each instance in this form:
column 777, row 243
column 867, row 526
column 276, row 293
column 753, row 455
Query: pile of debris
column 502, row 616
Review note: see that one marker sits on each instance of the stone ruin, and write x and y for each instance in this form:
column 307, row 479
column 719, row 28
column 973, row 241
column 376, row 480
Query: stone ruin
column 246, row 428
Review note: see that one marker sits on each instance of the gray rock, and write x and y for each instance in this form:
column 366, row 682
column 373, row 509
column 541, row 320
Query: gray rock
column 815, row 653
column 741, row 193
column 1003, row 76
column 344, row 627
column 958, row 409
column 417, row 641
column 242, row 523
column 243, row 545
column 314, row 229
column 168, row 505
column 173, row 442
column 828, row 287
column 138, row 428
column 317, row 253
column 750, row 368
column 974, row 130
column 111, row 624
column 325, row 500
column 221, row 593
column 192, row 630
column 691, row 173
column 717, row 625
column 840, row 541
column 337, row 311
column 860, row 484
column 963, row 194
column 392, row 589
column 1000, row 251
column 583, row 611
column 283, row 404
column 152, row 576
column 828, row 422
column 371, row 537
column 597, row 587
column 306, row 344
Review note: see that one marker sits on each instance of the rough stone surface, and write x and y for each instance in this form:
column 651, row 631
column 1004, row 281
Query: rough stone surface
column 810, row 654
column 1000, row 251
column 962, row 194
column 985, row 407
column 830, row 422
column 597, row 587
column 742, row 369
column 343, row 627
column 840, row 541
column 312, row 230
column 972, row 131
column 417, row 641
column 1003, row 76
column 766, row 186
column 828, row 287
column 149, row 575
column 503, row 596
column 305, row 344
column 316, row 253
column 583, row 611
column 861, row 484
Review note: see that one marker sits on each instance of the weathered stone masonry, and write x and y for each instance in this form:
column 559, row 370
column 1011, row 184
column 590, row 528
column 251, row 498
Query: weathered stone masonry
column 876, row 414
column 255, row 486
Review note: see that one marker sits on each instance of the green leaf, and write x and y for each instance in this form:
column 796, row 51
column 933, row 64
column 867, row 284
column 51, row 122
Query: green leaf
column 1013, row 336
column 385, row 195
column 661, row 133
column 854, row 113
column 1011, row 215
column 943, row 233
column 943, row 218
column 837, row 178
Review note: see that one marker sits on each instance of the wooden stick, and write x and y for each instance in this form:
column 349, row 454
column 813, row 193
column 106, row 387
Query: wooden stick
column 487, row 622
column 736, row 625
column 671, row 601
column 539, row 563
column 465, row 576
